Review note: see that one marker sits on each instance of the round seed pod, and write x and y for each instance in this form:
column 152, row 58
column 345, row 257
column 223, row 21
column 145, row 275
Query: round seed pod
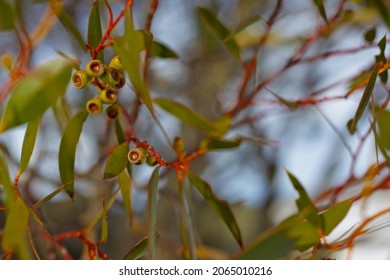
column 111, row 76
column 113, row 111
column 95, row 68
column 116, row 63
column 81, row 79
column 137, row 156
column 121, row 82
column 108, row 95
column 94, row 106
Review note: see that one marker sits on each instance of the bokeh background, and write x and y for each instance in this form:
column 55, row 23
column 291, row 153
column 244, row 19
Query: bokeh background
column 207, row 77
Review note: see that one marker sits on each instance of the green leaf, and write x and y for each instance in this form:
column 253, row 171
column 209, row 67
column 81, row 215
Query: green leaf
column 48, row 197
column 67, row 152
column 305, row 205
column 125, row 186
column 370, row 35
column 248, row 22
column 221, row 207
column 221, row 126
column 381, row 57
column 153, row 210
column 7, row 16
column 321, row 9
column 36, row 92
column 334, row 215
column 28, row 143
column 15, row 226
column 364, row 101
column 301, row 230
column 129, row 48
column 384, row 128
column 272, row 245
column 289, row 104
column 379, row 144
column 382, row 9
column 162, row 51
column 104, row 233
column 221, row 144
column 95, row 29
column 120, row 136
column 5, row 180
column 294, row 232
column 67, row 22
column 100, row 215
column 140, row 249
column 219, row 30
column 189, row 117
column 117, row 161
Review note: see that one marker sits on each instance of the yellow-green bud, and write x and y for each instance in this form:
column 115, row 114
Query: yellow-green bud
column 8, row 62
column 95, row 68
column 113, row 111
column 137, row 156
column 151, row 161
column 116, row 63
column 108, row 95
column 94, row 106
column 178, row 145
column 81, row 79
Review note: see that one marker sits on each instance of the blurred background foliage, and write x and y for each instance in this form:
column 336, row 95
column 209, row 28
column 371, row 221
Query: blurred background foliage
column 310, row 141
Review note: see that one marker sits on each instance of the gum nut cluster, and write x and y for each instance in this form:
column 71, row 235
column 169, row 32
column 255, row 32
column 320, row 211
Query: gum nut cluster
column 111, row 78
column 140, row 155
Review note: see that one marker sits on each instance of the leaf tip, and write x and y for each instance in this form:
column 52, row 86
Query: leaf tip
column 351, row 126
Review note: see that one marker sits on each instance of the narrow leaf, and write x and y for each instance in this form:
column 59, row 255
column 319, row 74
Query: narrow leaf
column 301, row 230
column 129, row 48
column 125, row 185
column 117, row 161
column 364, row 101
column 221, row 144
column 48, row 197
column 28, row 143
column 272, row 245
column 221, row 207
column 7, row 17
column 104, row 233
column 15, row 226
column 383, row 11
column 162, row 51
column 384, row 128
column 187, row 115
column 95, row 29
column 381, row 57
column 219, row 30
column 248, row 22
column 305, row 205
column 153, row 210
column 120, row 136
column 379, row 144
column 67, row 152
column 334, row 215
column 294, row 232
column 289, row 104
column 36, row 92
column 67, row 22
column 321, row 9
column 99, row 216
column 140, row 249
column 5, row 180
